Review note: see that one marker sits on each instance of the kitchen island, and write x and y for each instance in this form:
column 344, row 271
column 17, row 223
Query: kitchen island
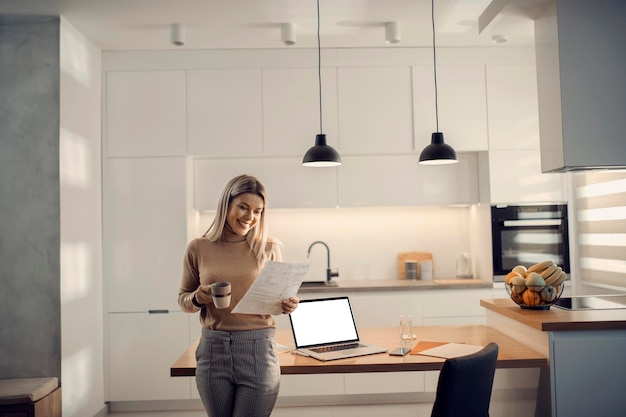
column 587, row 370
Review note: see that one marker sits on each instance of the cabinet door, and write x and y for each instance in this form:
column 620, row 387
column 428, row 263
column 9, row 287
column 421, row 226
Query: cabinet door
column 455, row 307
column 375, row 109
column 516, row 177
column 144, row 232
column 513, row 107
column 142, row 347
column 145, row 113
column 311, row 385
column 366, row 181
column 291, row 110
column 462, row 106
column 384, row 382
column 288, row 183
column 224, row 112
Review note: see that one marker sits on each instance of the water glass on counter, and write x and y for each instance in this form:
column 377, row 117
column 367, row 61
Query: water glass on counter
column 406, row 332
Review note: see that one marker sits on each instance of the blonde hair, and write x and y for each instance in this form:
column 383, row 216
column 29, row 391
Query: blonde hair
column 256, row 238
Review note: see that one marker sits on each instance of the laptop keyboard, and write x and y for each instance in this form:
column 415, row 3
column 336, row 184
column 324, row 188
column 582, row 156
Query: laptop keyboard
column 335, row 347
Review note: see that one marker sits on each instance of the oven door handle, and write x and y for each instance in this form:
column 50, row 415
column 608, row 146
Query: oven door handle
column 514, row 223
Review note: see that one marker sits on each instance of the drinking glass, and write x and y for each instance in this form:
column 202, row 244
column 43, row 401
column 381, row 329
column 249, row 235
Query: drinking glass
column 406, row 332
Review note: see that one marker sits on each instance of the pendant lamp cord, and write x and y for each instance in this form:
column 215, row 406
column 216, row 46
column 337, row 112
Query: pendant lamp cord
column 319, row 63
column 434, row 66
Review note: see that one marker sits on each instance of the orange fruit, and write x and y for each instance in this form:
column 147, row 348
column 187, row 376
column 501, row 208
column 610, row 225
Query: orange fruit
column 531, row 298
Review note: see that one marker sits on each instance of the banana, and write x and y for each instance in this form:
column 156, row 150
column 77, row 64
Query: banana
column 560, row 279
column 538, row 267
column 553, row 276
column 548, row 271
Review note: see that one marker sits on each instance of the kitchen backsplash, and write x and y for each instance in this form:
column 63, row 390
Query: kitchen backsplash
column 364, row 242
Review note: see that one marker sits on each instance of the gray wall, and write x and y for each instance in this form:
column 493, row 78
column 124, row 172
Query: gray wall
column 30, row 306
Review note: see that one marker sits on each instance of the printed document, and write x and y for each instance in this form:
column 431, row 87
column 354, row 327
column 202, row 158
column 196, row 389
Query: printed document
column 451, row 350
column 276, row 282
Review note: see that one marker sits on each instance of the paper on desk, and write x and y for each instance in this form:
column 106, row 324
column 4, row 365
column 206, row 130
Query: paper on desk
column 451, row 350
column 277, row 281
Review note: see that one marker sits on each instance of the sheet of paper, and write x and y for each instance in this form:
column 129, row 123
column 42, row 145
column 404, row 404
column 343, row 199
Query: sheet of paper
column 451, row 350
column 277, row 281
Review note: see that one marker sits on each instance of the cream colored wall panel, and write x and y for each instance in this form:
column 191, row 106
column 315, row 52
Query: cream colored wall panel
column 291, row 110
column 375, row 110
column 399, row 180
column 458, row 303
column 307, row 385
column 142, row 347
column 384, row 382
column 516, row 177
column 288, row 183
column 145, row 113
column 144, row 232
column 388, row 308
column 461, row 102
column 224, row 112
column 513, row 107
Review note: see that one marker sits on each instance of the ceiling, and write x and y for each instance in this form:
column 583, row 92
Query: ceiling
column 235, row 24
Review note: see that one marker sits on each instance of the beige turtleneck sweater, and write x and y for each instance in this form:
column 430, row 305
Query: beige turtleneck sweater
column 207, row 262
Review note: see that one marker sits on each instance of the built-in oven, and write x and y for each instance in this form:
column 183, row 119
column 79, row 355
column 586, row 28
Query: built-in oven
column 527, row 234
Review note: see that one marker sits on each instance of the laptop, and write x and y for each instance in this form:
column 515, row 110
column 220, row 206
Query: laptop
column 325, row 329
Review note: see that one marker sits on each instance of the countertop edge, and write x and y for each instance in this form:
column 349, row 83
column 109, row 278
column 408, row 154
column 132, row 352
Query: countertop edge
column 396, row 285
column 556, row 319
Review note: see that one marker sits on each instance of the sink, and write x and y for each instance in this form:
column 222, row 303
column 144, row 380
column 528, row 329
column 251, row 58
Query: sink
column 313, row 284
column 309, row 284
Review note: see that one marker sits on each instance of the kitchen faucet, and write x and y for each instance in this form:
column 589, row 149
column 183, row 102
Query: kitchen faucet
column 329, row 273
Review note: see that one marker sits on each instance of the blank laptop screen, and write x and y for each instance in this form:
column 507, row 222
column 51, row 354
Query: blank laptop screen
column 323, row 321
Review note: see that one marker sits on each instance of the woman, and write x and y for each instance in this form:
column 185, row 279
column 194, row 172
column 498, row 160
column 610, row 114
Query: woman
column 237, row 371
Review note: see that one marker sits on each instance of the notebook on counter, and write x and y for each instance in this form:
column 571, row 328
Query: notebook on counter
column 325, row 329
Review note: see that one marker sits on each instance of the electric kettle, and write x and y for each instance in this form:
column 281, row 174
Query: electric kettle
column 464, row 266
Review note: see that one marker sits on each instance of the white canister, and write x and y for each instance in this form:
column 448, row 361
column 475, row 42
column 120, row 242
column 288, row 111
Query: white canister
column 426, row 270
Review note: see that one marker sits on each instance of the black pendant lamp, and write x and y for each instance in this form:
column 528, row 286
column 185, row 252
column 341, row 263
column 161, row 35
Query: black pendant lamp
column 322, row 154
column 438, row 152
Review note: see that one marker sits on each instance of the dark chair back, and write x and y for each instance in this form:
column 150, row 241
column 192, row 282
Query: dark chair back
column 465, row 384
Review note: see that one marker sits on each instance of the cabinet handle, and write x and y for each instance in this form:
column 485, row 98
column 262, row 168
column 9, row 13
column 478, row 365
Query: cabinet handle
column 513, row 223
column 159, row 311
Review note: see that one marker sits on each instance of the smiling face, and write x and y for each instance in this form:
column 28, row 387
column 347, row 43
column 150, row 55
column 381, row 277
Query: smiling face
column 244, row 212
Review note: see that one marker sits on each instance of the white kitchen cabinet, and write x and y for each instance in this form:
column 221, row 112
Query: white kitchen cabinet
column 288, row 183
column 144, row 232
column 291, row 110
column 145, row 114
column 224, row 112
column 514, row 157
column 398, row 180
column 383, row 309
column 310, row 385
column 455, row 307
column 375, row 110
column 516, row 177
column 141, row 348
column 512, row 107
column 462, row 106
column 384, row 383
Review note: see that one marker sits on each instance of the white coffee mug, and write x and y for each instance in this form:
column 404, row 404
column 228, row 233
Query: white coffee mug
column 220, row 292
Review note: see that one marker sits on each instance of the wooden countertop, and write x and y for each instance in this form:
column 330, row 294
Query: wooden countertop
column 395, row 285
column 511, row 354
column 557, row 319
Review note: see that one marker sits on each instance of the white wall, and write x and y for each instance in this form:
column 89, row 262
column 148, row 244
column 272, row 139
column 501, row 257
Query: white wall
column 364, row 242
column 81, row 224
